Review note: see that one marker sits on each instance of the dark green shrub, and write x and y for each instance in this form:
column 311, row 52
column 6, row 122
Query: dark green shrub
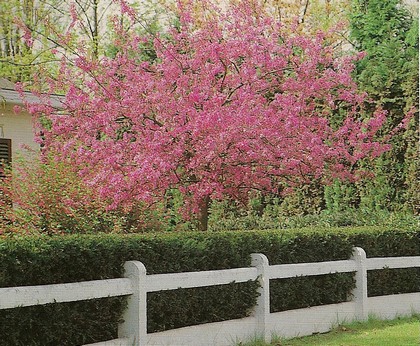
column 75, row 323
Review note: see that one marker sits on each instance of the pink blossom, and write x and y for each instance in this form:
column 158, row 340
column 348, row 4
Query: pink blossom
column 225, row 109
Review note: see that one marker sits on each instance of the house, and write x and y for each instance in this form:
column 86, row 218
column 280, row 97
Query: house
column 16, row 128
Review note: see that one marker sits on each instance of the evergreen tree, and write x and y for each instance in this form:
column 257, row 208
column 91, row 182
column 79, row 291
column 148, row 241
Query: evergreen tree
column 388, row 33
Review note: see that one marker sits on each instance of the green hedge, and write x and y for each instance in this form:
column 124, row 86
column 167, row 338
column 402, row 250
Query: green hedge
column 59, row 259
column 390, row 243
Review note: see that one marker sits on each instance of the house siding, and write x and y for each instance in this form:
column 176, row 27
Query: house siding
column 19, row 128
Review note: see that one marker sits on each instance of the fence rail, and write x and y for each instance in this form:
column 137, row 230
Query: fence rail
column 12, row 297
column 136, row 284
column 392, row 262
column 162, row 282
column 283, row 271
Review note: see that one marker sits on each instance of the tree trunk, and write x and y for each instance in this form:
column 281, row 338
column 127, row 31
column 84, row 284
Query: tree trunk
column 203, row 214
column 95, row 32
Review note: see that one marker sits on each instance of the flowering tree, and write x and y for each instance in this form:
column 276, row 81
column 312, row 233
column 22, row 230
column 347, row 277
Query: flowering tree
column 238, row 103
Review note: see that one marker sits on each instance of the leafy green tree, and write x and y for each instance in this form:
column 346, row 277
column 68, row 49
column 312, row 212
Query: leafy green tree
column 388, row 34
column 31, row 30
column 18, row 56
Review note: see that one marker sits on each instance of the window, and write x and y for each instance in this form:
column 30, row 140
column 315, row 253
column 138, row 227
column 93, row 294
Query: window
column 5, row 154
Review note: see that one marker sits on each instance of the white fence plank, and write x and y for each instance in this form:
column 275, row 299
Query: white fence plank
column 394, row 305
column 226, row 333
column 115, row 342
column 162, row 282
column 283, row 271
column 11, row 297
column 307, row 321
column 393, row 262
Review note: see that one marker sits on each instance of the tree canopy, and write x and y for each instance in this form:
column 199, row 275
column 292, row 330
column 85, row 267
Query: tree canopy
column 235, row 104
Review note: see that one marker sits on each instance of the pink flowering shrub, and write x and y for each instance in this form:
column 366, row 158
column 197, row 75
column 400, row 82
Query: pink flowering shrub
column 234, row 104
column 48, row 197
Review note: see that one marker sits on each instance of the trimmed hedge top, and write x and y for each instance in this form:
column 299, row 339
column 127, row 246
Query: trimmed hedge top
column 58, row 259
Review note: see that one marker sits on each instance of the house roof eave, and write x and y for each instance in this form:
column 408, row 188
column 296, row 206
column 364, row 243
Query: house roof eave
column 9, row 96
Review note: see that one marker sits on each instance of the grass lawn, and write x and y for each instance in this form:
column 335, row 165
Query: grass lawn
column 398, row 332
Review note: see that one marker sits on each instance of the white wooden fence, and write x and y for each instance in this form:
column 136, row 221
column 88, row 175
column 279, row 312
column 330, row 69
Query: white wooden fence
column 136, row 284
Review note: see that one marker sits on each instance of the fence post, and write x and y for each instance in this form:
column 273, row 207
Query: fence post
column 262, row 309
column 134, row 325
column 360, row 292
